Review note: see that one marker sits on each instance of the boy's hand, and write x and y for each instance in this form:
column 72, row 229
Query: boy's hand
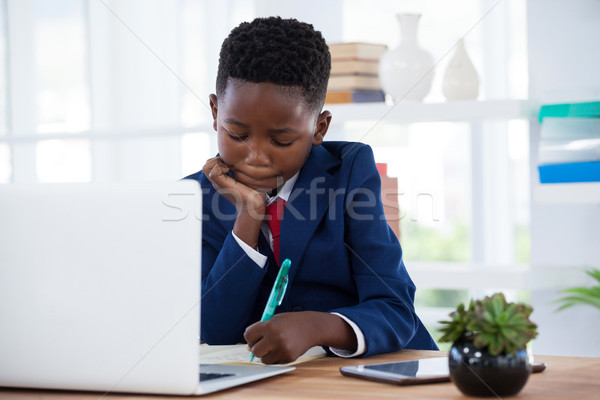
column 287, row 336
column 249, row 203
column 283, row 338
column 244, row 198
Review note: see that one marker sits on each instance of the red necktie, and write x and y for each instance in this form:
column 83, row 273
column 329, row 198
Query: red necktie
column 274, row 213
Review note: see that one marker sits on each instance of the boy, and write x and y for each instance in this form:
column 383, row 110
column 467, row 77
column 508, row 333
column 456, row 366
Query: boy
column 348, row 289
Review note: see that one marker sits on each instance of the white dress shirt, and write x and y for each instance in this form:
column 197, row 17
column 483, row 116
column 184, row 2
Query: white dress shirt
column 261, row 261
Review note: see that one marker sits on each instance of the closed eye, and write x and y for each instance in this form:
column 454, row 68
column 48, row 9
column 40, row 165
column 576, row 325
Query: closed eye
column 237, row 138
column 281, row 144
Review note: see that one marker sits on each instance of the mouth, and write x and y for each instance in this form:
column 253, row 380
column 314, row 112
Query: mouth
column 261, row 183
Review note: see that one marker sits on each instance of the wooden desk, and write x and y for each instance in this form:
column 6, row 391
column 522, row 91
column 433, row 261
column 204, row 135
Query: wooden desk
column 565, row 377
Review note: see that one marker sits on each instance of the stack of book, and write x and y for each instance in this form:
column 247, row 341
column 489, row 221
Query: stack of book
column 355, row 73
column 569, row 150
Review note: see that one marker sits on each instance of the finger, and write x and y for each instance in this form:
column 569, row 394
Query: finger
column 271, row 357
column 217, row 170
column 262, row 349
column 253, row 333
column 209, row 164
column 218, row 176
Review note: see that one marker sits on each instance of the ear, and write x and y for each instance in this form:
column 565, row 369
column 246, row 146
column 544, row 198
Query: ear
column 323, row 121
column 214, row 105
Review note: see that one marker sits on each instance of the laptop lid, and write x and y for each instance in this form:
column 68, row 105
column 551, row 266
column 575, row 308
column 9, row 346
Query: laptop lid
column 100, row 286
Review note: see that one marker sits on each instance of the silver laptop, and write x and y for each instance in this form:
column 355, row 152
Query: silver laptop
column 100, row 290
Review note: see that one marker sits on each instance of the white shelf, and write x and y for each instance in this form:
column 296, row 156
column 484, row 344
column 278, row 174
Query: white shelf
column 468, row 110
column 567, row 193
column 503, row 277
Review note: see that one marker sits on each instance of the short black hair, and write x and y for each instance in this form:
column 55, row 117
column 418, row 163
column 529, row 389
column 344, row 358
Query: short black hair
column 285, row 52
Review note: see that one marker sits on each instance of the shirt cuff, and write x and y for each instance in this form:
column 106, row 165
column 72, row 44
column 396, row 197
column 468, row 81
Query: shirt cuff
column 259, row 259
column 361, row 345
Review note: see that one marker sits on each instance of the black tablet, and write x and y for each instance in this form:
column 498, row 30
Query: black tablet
column 427, row 370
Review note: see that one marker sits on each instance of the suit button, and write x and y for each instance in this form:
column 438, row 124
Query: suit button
column 297, row 308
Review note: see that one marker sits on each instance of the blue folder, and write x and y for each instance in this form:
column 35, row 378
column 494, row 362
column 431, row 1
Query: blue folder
column 570, row 172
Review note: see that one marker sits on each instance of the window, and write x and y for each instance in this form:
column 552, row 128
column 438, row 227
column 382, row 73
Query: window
column 64, row 160
column 432, row 164
column 62, row 92
column 194, row 95
column 195, row 150
column 5, row 151
column 5, row 165
column 518, row 148
column 3, row 75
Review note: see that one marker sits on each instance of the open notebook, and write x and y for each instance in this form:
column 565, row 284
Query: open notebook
column 238, row 354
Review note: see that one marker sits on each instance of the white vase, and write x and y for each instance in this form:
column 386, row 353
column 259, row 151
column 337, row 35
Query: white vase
column 460, row 79
column 406, row 71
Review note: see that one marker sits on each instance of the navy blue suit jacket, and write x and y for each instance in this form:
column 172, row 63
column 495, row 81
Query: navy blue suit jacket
column 345, row 258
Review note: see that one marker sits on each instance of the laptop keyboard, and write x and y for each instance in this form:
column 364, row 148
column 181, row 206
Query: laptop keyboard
column 207, row 376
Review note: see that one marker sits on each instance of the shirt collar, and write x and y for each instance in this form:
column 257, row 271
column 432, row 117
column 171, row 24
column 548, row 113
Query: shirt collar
column 285, row 191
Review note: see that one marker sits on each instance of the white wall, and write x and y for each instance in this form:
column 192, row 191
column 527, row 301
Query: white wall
column 325, row 16
column 564, row 66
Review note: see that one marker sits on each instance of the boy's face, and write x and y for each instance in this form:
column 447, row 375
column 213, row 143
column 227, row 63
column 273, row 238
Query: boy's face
column 265, row 132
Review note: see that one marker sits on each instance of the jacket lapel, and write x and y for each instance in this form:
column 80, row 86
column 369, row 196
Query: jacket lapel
column 309, row 201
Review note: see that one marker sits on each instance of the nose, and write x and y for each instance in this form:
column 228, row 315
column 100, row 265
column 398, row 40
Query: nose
column 257, row 155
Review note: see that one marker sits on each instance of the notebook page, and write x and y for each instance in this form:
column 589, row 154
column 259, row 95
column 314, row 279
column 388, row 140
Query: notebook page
column 239, row 354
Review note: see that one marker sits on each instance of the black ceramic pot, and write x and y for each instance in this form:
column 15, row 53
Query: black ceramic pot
column 477, row 373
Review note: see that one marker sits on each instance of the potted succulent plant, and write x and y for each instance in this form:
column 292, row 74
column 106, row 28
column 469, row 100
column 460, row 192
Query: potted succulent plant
column 488, row 356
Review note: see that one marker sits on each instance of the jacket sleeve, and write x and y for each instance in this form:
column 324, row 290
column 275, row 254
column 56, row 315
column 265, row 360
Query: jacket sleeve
column 230, row 281
column 385, row 311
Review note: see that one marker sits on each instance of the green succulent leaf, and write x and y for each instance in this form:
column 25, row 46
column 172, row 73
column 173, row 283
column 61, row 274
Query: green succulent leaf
column 492, row 323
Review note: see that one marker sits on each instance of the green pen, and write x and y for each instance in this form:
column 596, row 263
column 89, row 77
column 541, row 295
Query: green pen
column 277, row 293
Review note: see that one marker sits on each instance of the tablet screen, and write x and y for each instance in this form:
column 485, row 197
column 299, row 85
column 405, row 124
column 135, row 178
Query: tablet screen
column 419, row 368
